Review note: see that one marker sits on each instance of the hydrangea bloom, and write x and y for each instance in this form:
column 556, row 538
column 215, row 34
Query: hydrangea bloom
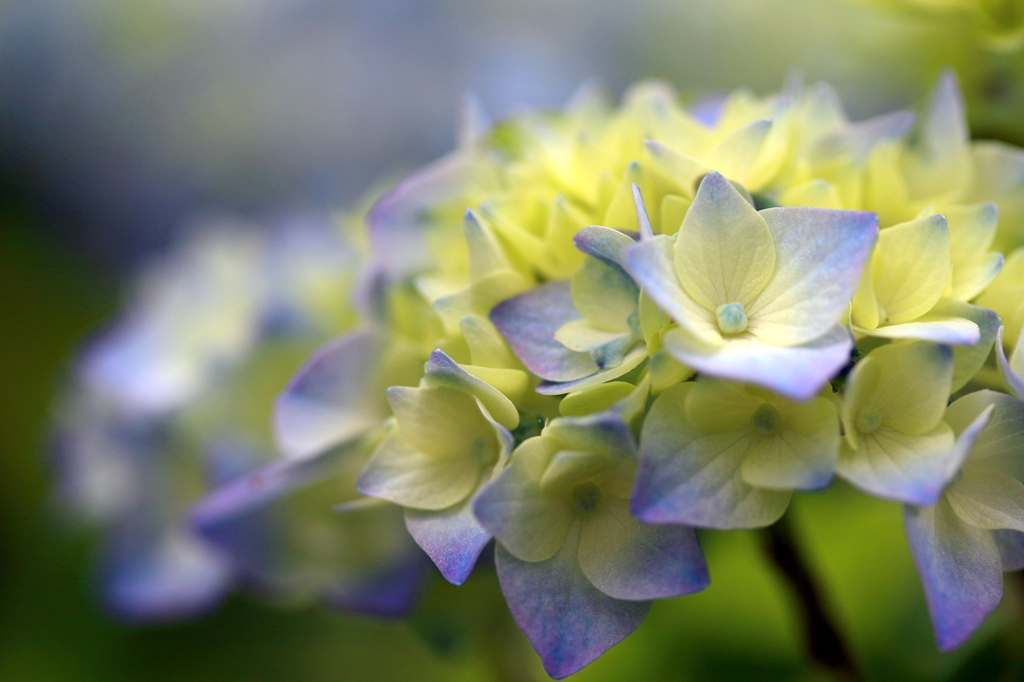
column 578, row 570
column 896, row 444
column 443, row 446
column 586, row 333
column 900, row 296
column 757, row 296
column 720, row 454
column 605, row 256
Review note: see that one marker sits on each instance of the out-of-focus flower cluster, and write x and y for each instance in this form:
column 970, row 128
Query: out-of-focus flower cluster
column 175, row 400
column 581, row 335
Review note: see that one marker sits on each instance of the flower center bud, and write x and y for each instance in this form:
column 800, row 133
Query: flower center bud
column 868, row 420
column 732, row 318
column 586, row 497
column 766, row 419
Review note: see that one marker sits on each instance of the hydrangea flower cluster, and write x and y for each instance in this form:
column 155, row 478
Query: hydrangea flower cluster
column 584, row 334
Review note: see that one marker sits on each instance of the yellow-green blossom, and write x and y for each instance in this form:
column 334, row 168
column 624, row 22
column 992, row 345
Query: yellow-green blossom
column 757, row 295
column 578, row 570
column 723, row 455
column 442, row 445
column 1006, row 296
column 900, row 294
column 895, row 443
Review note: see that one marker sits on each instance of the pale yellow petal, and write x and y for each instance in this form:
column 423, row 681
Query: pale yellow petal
column 724, row 251
column 911, row 269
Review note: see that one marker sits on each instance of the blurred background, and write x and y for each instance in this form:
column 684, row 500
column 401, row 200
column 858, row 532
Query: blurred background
column 123, row 123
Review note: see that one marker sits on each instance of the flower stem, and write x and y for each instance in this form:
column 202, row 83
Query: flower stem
column 822, row 637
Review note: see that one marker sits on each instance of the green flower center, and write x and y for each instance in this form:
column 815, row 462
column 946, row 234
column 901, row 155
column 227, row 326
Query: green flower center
column 732, row 318
column 483, row 450
column 766, row 419
column 868, row 420
column 586, row 497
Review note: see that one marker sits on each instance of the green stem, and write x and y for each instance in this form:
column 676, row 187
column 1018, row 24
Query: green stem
column 822, row 637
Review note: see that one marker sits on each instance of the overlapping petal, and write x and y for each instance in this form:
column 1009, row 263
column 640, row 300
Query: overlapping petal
column 896, row 444
column 693, row 477
column 797, row 372
column 629, row 560
column 651, row 265
column 531, row 524
column 724, row 251
column 989, row 500
column 960, row 568
column 819, row 255
column 529, row 322
column 332, row 399
column 911, row 269
column 900, row 466
column 452, row 538
column 569, row 621
column 409, row 477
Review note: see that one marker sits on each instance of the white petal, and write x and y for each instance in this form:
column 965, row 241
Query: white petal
column 988, row 500
column 399, row 473
column 724, row 251
column 900, row 467
column 819, row 255
column 692, row 477
column 797, row 372
column 650, row 264
column 954, row 331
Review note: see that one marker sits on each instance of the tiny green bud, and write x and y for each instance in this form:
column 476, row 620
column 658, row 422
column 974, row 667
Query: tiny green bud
column 586, row 496
column 766, row 419
column 732, row 318
column 868, row 420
